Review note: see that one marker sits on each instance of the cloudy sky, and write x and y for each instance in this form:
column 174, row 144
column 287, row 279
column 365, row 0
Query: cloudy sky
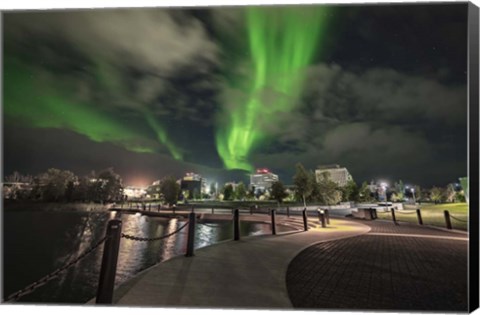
column 221, row 91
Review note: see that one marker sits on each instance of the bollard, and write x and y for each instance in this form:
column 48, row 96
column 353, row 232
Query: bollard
column 213, row 211
column 446, row 214
column 393, row 216
column 173, row 209
column 327, row 216
column 274, row 230
column 321, row 217
column 419, row 217
column 375, row 213
column 305, row 225
column 288, row 212
column 108, row 270
column 251, row 210
column 191, row 234
column 236, row 225
column 149, row 207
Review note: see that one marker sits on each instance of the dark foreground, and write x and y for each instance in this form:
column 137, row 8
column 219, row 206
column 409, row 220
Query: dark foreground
column 390, row 268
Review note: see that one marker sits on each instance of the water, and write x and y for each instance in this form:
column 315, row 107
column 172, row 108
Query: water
column 36, row 243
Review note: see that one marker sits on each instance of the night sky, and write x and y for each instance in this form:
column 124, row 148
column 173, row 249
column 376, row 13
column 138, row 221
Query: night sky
column 379, row 89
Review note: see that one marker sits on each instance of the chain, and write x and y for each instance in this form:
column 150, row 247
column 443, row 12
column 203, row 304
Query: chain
column 41, row 282
column 460, row 220
column 150, row 239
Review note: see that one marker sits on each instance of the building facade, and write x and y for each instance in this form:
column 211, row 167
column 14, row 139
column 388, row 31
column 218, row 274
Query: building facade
column 262, row 179
column 338, row 175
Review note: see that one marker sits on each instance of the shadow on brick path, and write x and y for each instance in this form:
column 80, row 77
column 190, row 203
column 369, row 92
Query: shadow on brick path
column 377, row 272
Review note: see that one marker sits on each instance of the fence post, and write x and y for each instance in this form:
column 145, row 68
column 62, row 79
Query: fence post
column 288, row 212
column 305, row 225
column 419, row 217
column 393, row 215
column 108, row 270
column 447, row 219
column 191, row 234
column 321, row 217
column 327, row 216
column 236, row 225
column 274, row 230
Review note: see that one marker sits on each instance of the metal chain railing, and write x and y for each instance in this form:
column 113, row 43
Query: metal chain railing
column 151, row 239
column 460, row 220
column 41, row 282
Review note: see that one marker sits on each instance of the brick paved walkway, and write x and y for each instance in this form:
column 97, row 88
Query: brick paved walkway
column 424, row 271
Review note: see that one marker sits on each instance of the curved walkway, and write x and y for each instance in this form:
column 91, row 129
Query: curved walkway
column 403, row 267
column 249, row 273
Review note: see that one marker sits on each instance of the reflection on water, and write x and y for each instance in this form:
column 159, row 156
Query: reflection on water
column 36, row 243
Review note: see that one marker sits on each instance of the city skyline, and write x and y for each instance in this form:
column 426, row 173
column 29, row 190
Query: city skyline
column 156, row 92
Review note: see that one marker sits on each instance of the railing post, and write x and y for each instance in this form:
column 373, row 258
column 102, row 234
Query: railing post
column 321, row 217
column 393, row 215
column 108, row 270
column 419, row 217
column 288, row 212
column 236, row 225
column 446, row 214
column 305, row 225
column 274, row 229
column 327, row 216
column 191, row 234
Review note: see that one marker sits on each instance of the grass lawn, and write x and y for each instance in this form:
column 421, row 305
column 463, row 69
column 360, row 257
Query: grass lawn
column 433, row 214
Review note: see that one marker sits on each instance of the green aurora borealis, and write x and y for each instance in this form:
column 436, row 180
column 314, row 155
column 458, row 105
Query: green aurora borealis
column 282, row 44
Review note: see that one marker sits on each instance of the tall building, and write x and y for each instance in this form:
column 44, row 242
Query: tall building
column 338, row 175
column 262, row 179
column 193, row 183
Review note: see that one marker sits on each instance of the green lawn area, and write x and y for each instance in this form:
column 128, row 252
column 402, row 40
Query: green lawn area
column 432, row 214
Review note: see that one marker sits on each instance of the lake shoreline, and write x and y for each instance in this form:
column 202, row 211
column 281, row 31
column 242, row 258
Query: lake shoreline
column 39, row 206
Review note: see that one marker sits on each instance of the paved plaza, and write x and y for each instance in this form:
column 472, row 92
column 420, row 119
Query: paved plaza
column 351, row 264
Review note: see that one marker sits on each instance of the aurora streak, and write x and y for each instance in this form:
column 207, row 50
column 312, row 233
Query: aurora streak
column 43, row 101
column 282, row 43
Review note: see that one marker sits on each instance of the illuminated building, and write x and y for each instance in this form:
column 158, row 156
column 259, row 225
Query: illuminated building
column 133, row 192
column 338, row 175
column 262, row 179
column 193, row 184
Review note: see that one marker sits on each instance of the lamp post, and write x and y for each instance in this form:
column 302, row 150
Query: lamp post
column 413, row 194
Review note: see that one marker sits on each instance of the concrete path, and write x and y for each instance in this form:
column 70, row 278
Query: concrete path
column 393, row 267
column 249, row 273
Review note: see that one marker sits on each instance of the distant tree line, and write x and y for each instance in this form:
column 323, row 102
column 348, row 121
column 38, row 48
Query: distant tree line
column 57, row 185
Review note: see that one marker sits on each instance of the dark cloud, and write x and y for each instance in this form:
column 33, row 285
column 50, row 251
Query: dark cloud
column 386, row 96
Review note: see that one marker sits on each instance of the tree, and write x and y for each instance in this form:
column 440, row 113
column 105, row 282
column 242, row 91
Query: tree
column 303, row 183
column 329, row 192
column 228, row 192
column 52, row 185
column 364, row 194
column 399, row 189
column 449, row 193
column 240, row 191
column 278, row 191
column 436, row 194
column 350, row 191
column 170, row 190
column 109, row 185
